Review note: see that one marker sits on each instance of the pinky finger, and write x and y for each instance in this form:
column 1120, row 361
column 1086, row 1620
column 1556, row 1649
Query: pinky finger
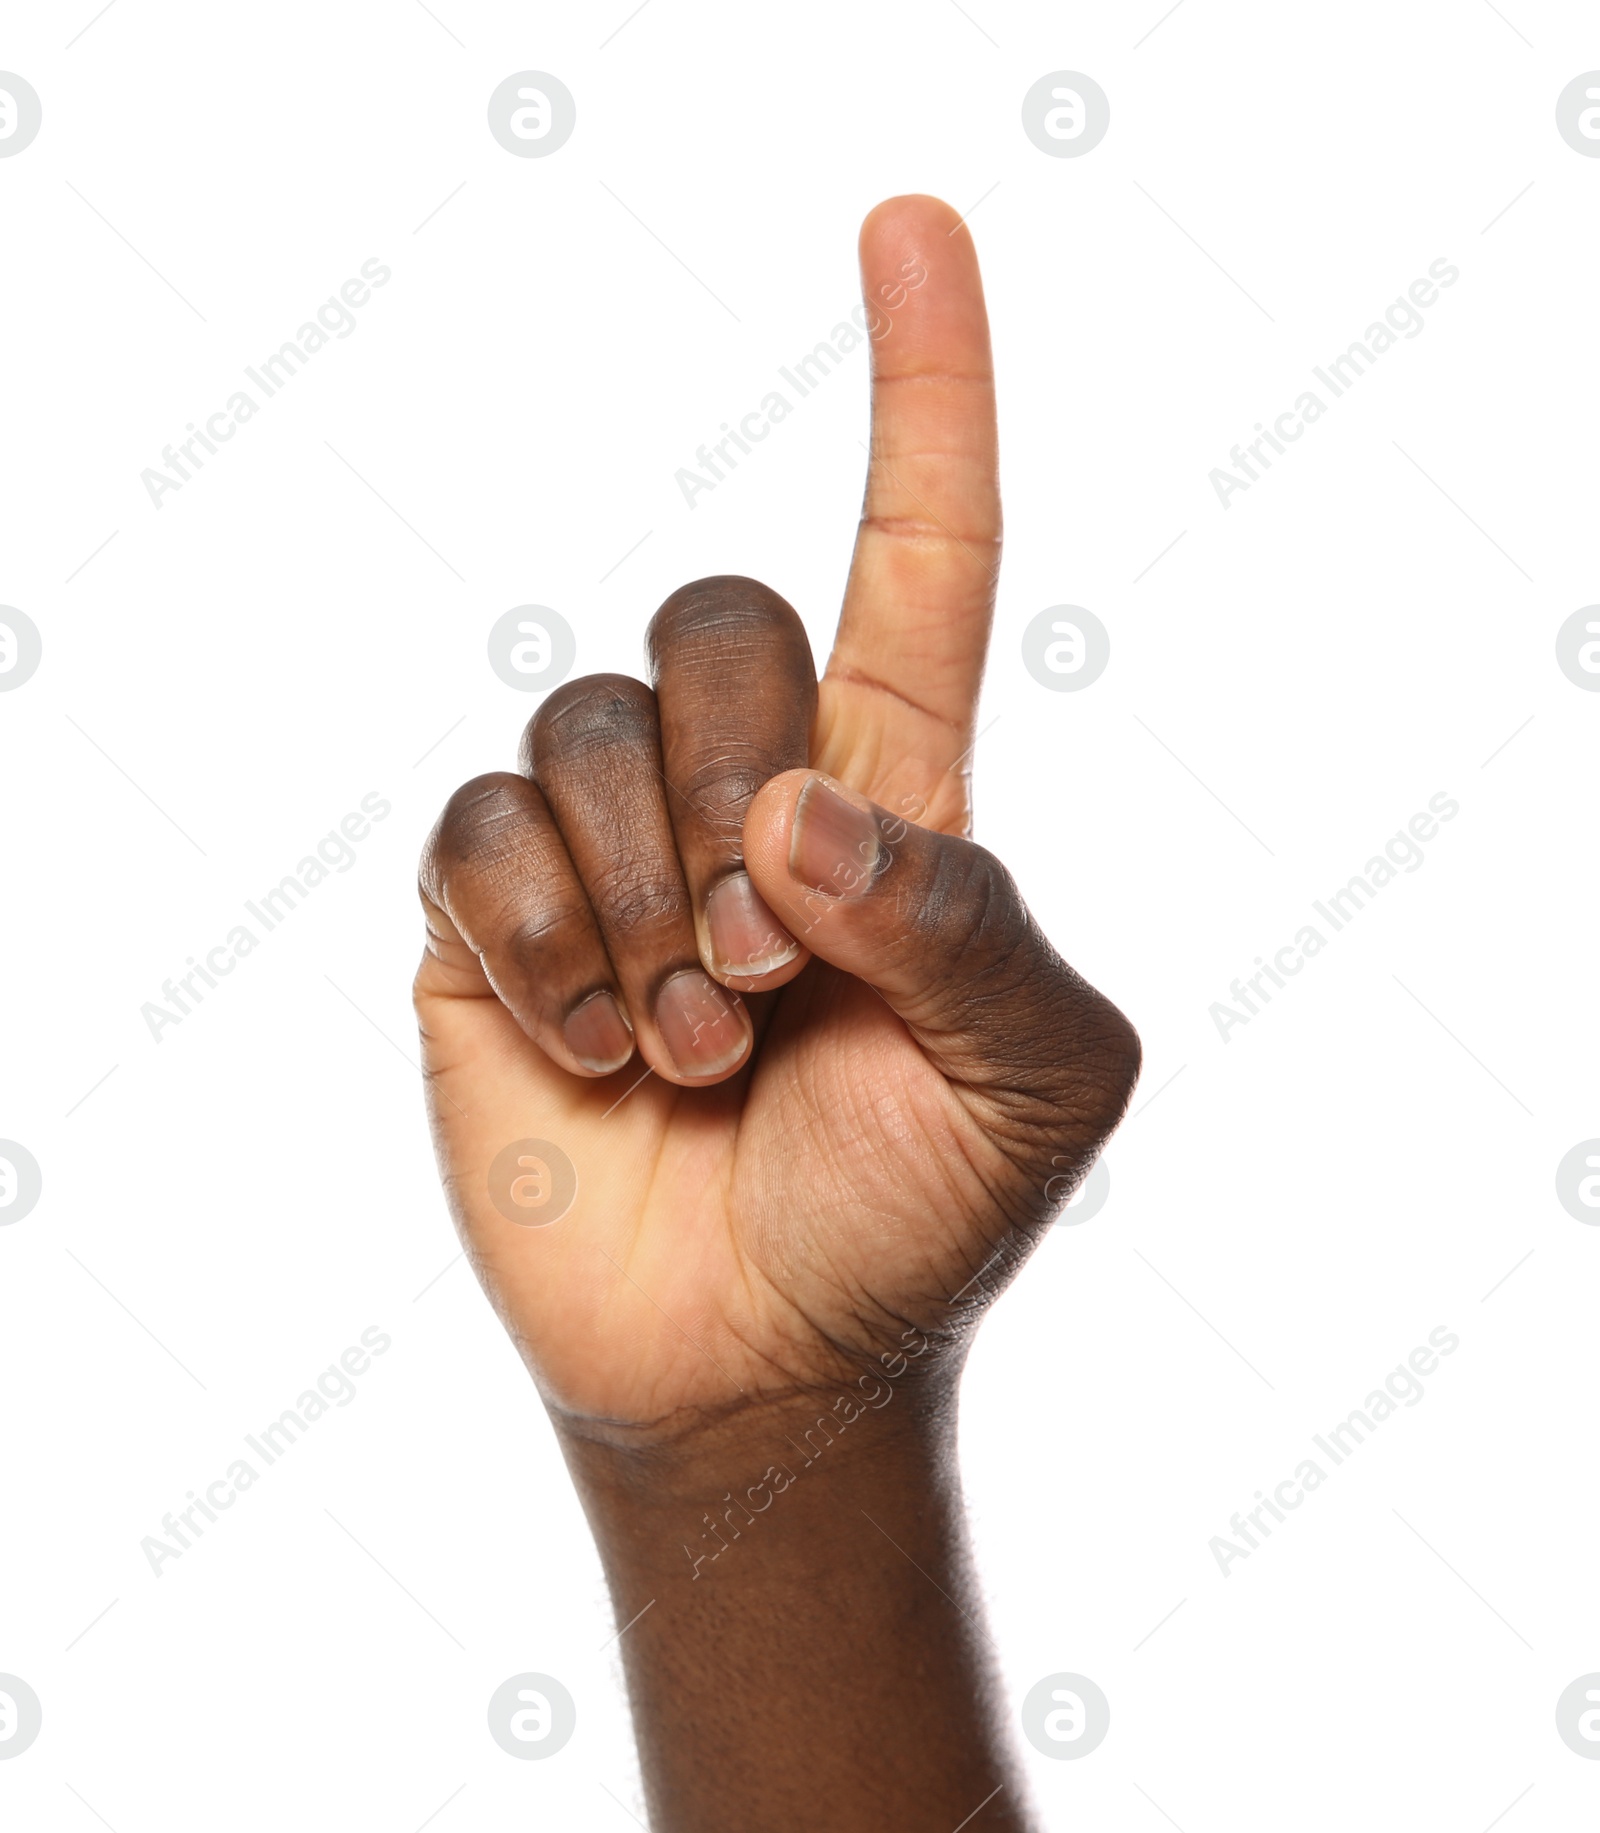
column 498, row 885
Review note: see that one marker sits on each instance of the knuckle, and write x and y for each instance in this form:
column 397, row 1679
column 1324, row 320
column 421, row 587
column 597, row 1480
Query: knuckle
column 1073, row 1054
column 726, row 612
column 591, row 718
column 635, row 901
column 474, row 827
column 978, row 911
column 532, row 933
column 1118, row 1052
column 1093, row 1056
column 721, row 788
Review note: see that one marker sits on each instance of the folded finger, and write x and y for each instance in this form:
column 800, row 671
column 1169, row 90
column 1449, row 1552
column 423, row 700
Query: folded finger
column 496, row 875
column 736, row 688
column 594, row 749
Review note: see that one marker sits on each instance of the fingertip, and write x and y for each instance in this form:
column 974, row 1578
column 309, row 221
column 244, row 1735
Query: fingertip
column 817, row 839
column 905, row 239
column 923, row 292
column 767, row 825
column 743, row 945
column 703, row 1034
column 597, row 1036
column 906, row 219
column 724, row 607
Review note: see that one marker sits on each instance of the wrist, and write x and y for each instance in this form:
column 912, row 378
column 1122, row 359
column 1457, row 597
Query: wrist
column 803, row 1563
column 667, row 1501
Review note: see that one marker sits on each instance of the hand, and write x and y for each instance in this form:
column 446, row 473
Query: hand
column 726, row 945
column 864, row 1068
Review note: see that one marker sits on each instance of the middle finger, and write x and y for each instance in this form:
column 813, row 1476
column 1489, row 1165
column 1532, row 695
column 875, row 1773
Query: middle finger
column 736, row 688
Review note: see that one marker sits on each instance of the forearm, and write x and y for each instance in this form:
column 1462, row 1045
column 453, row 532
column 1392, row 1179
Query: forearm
column 812, row 1653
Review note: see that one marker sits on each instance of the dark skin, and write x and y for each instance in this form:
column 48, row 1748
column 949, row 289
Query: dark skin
column 873, row 1083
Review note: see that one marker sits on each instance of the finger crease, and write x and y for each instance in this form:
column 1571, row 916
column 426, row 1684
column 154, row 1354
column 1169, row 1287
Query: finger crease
column 860, row 679
column 913, row 526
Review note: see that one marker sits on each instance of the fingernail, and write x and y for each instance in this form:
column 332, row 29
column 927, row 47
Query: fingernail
column 597, row 1034
column 835, row 845
column 704, row 1029
column 747, row 940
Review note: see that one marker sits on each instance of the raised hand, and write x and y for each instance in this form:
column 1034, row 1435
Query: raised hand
column 867, row 1066
column 724, row 943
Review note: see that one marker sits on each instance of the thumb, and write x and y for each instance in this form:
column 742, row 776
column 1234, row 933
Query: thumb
column 938, row 927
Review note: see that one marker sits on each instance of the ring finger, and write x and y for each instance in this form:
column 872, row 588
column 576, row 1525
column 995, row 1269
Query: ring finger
column 594, row 749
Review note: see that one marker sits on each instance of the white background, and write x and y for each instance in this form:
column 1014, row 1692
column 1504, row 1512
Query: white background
column 1289, row 1217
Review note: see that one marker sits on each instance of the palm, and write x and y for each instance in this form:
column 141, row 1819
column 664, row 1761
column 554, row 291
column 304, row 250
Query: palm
column 724, row 1245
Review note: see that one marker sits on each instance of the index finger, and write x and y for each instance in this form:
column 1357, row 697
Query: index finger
column 921, row 591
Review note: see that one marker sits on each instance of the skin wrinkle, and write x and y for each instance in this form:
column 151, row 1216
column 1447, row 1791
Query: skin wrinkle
column 735, row 1245
column 461, row 815
column 763, row 1273
column 453, row 857
column 892, row 379
column 636, row 901
column 746, row 1267
column 860, row 678
column 736, row 779
column 917, row 528
column 528, row 934
column 617, row 708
